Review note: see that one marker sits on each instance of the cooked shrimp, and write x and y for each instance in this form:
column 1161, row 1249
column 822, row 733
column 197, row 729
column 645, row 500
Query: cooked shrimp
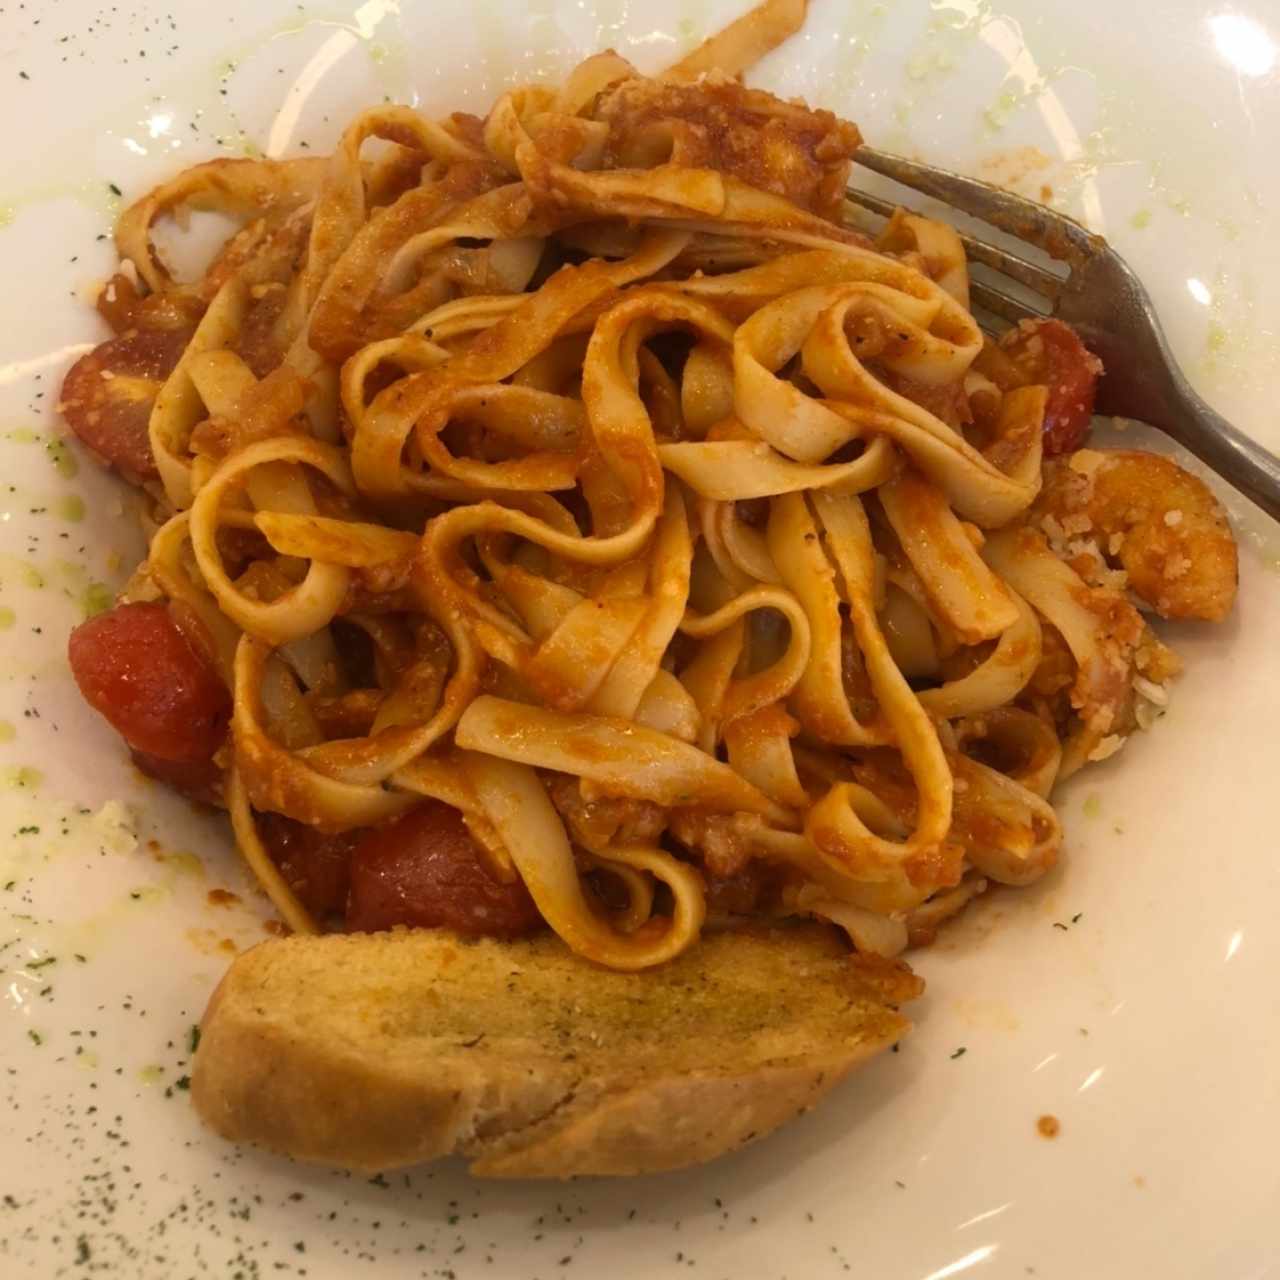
column 1142, row 511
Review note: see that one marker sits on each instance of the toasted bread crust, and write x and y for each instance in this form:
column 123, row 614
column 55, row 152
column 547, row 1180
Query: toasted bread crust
column 376, row 1052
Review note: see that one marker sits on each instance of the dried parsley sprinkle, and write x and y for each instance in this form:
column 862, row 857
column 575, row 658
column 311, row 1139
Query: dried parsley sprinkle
column 115, row 191
column 182, row 1082
column 960, row 1052
column 193, row 1040
column 1075, row 918
column 36, row 1037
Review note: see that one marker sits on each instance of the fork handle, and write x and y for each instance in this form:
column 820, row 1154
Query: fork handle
column 1244, row 464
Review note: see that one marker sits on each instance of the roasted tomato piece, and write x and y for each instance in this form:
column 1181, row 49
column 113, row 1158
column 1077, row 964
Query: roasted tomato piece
column 315, row 865
column 424, row 869
column 107, row 395
column 1050, row 353
column 160, row 691
column 197, row 780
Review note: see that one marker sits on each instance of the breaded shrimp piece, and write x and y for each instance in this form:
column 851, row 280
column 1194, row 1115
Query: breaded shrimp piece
column 1160, row 523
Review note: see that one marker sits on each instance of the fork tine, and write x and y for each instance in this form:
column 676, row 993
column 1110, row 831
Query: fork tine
column 884, row 208
column 1059, row 236
column 1001, row 304
column 1019, row 269
column 1037, row 278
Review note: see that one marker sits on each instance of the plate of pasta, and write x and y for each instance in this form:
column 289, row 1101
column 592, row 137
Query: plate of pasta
column 543, row 636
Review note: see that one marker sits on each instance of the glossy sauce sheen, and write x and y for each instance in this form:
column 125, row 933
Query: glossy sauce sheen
column 138, row 668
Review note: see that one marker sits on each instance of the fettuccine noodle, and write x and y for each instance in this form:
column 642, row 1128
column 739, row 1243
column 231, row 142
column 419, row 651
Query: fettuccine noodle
column 687, row 526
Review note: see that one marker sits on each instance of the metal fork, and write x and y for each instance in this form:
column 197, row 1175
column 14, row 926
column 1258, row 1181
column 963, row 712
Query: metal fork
column 1102, row 299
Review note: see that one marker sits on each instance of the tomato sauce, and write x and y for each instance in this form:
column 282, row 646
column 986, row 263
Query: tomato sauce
column 315, row 865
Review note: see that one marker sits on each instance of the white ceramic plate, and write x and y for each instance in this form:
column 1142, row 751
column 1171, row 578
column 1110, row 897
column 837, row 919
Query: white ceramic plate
column 1149, row 1025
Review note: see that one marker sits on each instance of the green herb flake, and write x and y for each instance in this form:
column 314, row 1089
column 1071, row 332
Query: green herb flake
column 959, row 1053
column 35, row 1036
